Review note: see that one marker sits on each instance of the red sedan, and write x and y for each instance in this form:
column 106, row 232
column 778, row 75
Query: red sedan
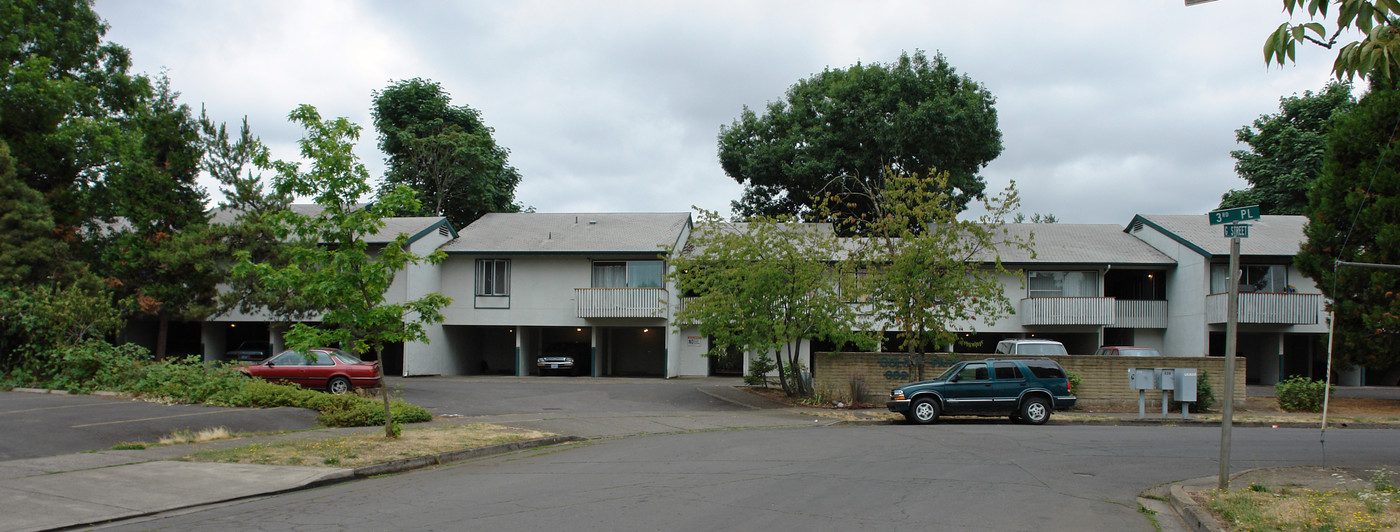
column 332, row 369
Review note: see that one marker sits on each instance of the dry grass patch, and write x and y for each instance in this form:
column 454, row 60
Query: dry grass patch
column 366, row 449
column 184, row 436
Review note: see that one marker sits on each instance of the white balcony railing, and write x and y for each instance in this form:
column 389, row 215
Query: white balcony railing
column 1267, row 308
column 621, row 302
column 1140, row 314
column 1067, row 311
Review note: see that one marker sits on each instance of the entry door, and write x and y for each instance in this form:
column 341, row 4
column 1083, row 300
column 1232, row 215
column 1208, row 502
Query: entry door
column 972, row 391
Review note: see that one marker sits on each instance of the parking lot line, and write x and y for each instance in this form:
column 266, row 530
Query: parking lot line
column 143, row 419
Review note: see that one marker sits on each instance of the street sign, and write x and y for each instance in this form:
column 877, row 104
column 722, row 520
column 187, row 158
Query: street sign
column 1238, row 214
column 1237, row 231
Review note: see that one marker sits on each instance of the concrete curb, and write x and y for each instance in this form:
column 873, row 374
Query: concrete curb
column 419, row 462
column 1197, row 518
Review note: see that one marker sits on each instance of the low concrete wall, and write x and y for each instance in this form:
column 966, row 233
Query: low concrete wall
column 1103, row 379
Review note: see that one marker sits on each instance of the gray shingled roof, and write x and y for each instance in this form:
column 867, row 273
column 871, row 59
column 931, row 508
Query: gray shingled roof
column 1274, row 235
column 411, row 225
column 1060, row 243
column 571, row 233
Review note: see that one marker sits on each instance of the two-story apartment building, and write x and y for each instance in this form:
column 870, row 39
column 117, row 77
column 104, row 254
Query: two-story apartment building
column 593, row 286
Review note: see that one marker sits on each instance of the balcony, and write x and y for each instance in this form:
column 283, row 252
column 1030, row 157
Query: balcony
column 1140, row 314
column 1271, row 308
column 1067, row 311
column 621, row 302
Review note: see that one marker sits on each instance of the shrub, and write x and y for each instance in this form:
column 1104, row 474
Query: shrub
column 1301, row 394
column 759, row 368
column 859, row 389
column 352, row 411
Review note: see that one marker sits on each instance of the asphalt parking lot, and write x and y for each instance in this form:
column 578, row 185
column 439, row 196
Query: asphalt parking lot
column 37, row 425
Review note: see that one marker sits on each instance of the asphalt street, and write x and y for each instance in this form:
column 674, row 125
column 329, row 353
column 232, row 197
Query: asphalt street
column 951, row 476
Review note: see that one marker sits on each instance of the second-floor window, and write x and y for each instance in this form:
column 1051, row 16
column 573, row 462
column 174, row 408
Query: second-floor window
column 1253, row 278
column 1062, row 284
column 493, row 277
column 629, row 274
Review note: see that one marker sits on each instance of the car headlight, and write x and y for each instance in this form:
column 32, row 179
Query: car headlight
column 897, row 395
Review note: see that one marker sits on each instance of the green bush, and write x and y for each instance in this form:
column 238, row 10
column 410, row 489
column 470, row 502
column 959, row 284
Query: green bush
column 1301, row 394
column 98, row 365
column 354, row 411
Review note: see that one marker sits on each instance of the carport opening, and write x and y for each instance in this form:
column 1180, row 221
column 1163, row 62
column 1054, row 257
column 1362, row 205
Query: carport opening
column 635, row 351
column 574, row 342
column 481, row 350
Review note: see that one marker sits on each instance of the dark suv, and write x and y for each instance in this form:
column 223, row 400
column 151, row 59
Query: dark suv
column 1027, row 390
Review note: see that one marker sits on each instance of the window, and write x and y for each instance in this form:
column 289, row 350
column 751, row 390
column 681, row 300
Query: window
column 975, row 371
column 1062, row 284
column 629, row 274
column 1007, row 371
column 493, row 277
column 1253, row 278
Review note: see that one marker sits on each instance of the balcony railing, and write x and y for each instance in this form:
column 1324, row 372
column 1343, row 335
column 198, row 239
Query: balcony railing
column 621, row 302
column 1140, row 314
column 1268, row 308
column 1067, row 311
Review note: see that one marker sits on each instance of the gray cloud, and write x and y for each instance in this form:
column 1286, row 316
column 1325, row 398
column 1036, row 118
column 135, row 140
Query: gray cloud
column 1107, row 109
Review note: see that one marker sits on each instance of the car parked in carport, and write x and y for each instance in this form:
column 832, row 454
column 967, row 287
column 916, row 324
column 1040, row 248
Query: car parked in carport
column 1127, row 351
column 1026, row 390
column 333, row 370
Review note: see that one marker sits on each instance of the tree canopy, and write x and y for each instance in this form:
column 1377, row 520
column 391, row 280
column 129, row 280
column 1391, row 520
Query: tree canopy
column 1286, row 150
column 442, row 151
column 837, row 132
column 1375, row 55
column 63, row 96
column 928, row 271
column 765, row 286
column 333, row 269
column 1354, row 215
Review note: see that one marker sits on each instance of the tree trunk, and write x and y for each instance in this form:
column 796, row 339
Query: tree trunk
column 384, row 391
column 161, row 331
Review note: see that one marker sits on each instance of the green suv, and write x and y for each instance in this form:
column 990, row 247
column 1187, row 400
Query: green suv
column 1027, row 390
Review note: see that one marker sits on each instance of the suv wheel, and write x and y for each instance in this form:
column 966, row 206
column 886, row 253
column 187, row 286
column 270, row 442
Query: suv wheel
column 1035, row 411
column 923, row 411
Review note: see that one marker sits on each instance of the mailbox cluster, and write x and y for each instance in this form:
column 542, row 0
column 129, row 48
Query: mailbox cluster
column 1179, row 382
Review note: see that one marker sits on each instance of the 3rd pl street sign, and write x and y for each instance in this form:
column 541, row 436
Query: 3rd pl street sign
column 1238, row 214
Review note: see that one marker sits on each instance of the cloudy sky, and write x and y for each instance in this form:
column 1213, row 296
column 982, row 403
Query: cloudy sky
column 1107, row 109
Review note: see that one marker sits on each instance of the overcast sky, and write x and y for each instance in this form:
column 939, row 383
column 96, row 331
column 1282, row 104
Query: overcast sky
column 1107, row 109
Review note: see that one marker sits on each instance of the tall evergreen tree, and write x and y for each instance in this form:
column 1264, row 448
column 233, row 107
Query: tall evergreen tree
column 1354, row 216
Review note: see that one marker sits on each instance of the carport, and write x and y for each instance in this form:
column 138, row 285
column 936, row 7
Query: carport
column 632, row 351
column 477, row 350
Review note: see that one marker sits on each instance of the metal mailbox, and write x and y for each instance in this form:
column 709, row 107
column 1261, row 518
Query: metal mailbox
column 1141, row 379
column 1166, row 378
column 1185, row 390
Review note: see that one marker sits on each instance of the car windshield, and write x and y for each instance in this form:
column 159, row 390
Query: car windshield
column 346, row 357
column 1040, row 349
column 948, row 373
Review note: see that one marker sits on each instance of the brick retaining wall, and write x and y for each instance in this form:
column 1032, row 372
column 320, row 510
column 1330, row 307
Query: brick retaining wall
column 1104, row 379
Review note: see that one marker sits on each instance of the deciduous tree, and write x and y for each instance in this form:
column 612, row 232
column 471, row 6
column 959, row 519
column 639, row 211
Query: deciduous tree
column 929, row 270
column 838, row 131
column 765, row 286
column 442, row 151
column 1286, row 150
column 332, row 265
column 1375, row 55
